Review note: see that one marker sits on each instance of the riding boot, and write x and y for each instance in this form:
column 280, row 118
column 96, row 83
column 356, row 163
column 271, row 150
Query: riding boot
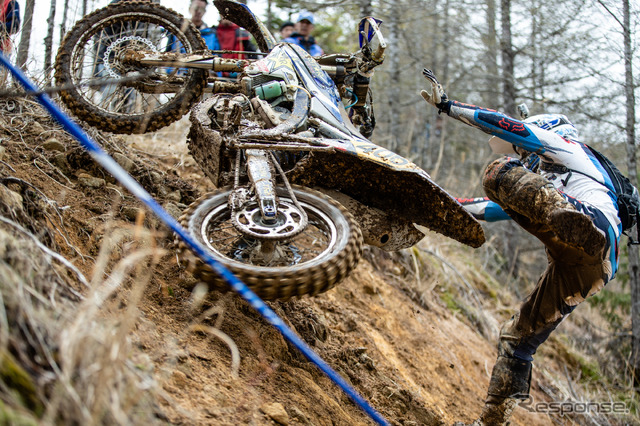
column 496, row 412
column 510, row 382
column 528, row 194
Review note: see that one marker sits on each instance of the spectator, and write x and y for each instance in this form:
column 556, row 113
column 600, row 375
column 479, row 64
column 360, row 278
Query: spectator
column 10, row 18
column 234, row 38
column 286, row 29
column 198, row 9
column 302, row 34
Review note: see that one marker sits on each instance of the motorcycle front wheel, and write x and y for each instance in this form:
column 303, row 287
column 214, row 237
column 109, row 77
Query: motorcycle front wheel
column 132, row 99
column 311, row 262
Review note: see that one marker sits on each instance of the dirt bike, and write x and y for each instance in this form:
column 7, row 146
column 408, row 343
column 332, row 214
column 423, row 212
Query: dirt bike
column 301, row 188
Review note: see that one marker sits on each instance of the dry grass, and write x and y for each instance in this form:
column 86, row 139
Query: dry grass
column 76, row 349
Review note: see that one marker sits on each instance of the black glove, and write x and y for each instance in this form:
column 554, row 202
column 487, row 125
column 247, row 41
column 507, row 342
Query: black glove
column 436, row 96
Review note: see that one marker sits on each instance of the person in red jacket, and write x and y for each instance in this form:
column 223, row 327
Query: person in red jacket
column 234, row 38
column 10, row 24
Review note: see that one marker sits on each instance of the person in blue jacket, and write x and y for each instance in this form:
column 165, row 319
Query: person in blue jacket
column 569, row 205
column 197, row 10
column 302, row 34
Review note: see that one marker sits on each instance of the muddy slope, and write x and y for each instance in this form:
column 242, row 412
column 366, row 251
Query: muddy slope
column 141, row 343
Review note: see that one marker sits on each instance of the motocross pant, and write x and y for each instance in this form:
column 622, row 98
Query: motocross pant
column 576, row 268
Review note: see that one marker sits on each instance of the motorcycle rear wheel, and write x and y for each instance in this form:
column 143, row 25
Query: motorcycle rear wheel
column 312, row 262
column 95, row 49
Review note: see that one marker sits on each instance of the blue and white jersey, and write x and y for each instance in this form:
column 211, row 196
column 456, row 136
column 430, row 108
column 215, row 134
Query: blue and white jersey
column 592, row 194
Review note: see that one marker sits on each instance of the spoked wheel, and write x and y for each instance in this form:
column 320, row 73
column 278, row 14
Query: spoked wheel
column 99, row 47
column 308, row 260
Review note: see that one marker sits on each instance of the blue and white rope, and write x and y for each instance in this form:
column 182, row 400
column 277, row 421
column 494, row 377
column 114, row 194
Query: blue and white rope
column 100, row 156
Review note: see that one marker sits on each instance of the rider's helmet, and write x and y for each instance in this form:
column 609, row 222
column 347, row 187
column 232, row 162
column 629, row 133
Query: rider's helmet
column 557, row 123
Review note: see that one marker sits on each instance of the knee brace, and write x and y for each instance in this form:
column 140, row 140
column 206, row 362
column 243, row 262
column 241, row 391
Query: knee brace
column 494, row 174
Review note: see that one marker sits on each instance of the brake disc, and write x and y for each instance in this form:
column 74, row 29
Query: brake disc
column 288, row 222
column 116, row 68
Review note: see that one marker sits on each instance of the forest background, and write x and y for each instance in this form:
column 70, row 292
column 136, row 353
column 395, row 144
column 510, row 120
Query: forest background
column 575, row 57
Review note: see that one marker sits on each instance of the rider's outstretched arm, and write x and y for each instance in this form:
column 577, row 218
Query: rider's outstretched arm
column 522, row 135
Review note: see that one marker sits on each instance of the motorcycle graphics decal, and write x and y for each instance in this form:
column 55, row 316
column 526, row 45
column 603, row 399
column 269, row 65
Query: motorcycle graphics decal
column 316, row 80
column 278, row 59
column 282, row 60
column 505, row 123
column 262, row 65
column 378, row 154
column 513, row 131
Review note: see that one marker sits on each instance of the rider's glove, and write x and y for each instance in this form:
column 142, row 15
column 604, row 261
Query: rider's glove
column 436, row 95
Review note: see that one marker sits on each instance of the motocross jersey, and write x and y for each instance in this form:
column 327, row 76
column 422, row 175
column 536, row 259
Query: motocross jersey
column 590, row 190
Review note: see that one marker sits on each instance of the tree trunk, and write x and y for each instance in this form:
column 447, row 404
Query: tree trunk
column 393, row 59
column 48, row 42
column 634, row 261
column 440, row 122
column 365, row 8
column 490, row 99
column 269, row 15
column 23, row 46
column 506, row 48
column 63, row 24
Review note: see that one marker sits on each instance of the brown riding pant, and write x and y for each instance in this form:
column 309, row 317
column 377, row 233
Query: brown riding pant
column 571, row 275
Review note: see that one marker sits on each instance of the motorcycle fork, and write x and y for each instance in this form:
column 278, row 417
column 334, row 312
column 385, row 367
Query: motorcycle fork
column 259, row 169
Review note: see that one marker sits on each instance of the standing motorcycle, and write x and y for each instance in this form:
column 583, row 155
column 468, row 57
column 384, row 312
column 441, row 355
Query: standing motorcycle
column 301, row 188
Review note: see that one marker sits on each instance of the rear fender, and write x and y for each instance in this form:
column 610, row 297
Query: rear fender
column 240, row 14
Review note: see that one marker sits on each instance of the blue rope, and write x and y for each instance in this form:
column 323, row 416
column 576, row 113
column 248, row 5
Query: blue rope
column 100, row 156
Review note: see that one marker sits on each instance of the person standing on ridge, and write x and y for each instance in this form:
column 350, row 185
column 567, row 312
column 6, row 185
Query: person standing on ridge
column 10, row 24
column 286, row 29
column 302, row 34
column 198, row 9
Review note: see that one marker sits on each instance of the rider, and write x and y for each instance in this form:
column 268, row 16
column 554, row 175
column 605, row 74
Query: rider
column 573, row 214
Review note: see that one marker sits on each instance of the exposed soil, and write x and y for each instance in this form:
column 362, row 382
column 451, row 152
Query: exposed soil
column 384, row 328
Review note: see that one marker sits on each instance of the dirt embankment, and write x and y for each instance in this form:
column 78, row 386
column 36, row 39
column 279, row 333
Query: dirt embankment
column 117, row 332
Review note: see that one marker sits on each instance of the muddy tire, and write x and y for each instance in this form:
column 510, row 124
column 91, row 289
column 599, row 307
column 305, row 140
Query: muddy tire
column 94, row 49
column 314, row 261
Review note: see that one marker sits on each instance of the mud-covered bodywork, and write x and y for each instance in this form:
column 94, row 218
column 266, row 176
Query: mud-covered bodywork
column 386, row 192
column 240, row 14
column 371, row 175
column 379, row 178
column 329, row 152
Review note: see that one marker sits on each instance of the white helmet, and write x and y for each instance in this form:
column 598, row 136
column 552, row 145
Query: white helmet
column 557, row 123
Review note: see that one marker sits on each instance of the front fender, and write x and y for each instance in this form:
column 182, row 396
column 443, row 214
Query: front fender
column 382, row 179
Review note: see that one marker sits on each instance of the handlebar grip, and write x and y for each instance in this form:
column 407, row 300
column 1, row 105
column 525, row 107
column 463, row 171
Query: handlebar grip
column 336, row 72
column 229, row 65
